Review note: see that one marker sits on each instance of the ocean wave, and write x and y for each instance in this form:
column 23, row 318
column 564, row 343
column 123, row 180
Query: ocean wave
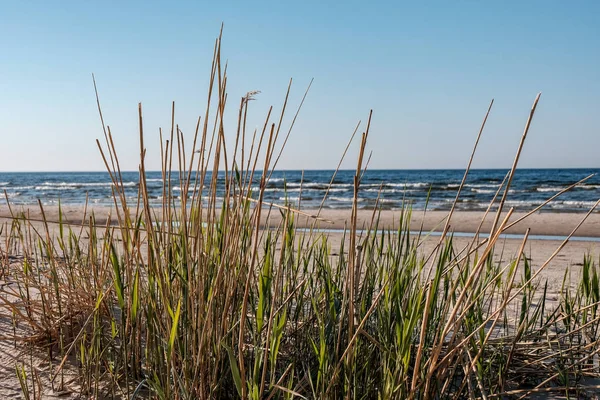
column 256, row 189
column 489, row 180
column 408, row 184
column 346, row 185
column 297, row 190
column 340, row 199
column 86, row 184
column 336, row 190
column 482, row 185
column 4, row 183
column 345, row 199
column 319, row 185
column 549, row 189
column 47, row 187
column 391, row 190
column 128, row 184
column 76, row 184
column 483, row 191
column 305, row 184
column 336, row 206
column 517, row 203
column 289, row 198
column 587, row 204
column 20, row 188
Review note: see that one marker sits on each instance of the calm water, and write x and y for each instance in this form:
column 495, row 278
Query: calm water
column 530, row 187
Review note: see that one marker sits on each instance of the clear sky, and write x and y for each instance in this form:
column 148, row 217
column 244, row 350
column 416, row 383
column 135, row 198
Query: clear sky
column 427, row 71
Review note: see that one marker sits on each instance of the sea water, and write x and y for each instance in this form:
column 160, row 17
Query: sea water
column 389, row 189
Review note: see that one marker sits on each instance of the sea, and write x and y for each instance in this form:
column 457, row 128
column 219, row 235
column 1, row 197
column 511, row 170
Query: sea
column 388, row 189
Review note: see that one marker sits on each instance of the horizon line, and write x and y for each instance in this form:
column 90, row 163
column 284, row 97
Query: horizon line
column 314, row 169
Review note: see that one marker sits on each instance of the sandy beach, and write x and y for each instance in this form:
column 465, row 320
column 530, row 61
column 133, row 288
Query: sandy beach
column 540, row 223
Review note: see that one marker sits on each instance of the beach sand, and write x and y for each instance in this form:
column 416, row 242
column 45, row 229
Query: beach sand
column 540, row 223
column 539, row 250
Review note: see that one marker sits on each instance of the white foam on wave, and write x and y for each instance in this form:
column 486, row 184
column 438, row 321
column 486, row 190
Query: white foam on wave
column 322, row 186
column 256, row 189
column 128, row 184
column 289, row 198
column 482, row 185
column 297, row 190
column 408, row 184
column 517, row 203
column 478, row 205
column 390, row 190
column 75, row 184
column 85, row 184
column 576, row 203
column 333, row 190
column 483, row 191
column 344, row 199
column 4, row 183
column 48, row 187
column 20, row 188
column 549, row 189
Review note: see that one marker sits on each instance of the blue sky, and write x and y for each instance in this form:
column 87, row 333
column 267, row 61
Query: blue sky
column 427, row 71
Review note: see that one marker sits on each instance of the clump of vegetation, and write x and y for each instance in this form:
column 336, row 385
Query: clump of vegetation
column 198, row 298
